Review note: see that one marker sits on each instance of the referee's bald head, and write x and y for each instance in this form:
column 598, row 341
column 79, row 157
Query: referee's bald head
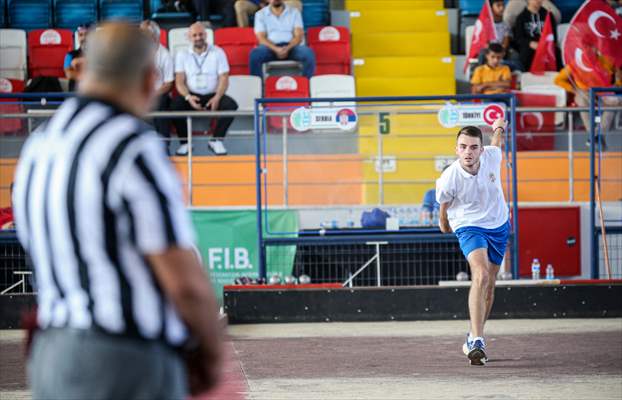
column 119, row 59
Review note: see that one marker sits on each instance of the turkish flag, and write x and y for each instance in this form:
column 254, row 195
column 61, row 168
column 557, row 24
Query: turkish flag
column 545, row 59
column 483, row 33
column 535, row 129
column 593, row 43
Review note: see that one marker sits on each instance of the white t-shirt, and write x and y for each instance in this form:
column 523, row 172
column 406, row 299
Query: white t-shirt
column 164, row 67
column 474, row 200
column 202, row 70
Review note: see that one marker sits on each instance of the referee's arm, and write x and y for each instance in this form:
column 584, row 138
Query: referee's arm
column 164, row 235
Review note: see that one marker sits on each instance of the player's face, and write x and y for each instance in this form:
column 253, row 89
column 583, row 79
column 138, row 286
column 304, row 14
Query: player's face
column 469, row 149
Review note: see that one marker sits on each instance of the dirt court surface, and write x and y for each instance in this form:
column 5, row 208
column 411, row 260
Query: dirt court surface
column 529, row 359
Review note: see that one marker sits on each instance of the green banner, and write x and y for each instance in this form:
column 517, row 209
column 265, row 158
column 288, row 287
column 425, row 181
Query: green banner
column 227, row 241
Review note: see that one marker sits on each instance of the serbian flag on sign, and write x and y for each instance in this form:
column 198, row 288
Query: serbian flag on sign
column 593, row 44
column 483, row 33
column 544, row 59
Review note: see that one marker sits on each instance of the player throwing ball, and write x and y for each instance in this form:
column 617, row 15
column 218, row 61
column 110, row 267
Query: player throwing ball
column 473, row 206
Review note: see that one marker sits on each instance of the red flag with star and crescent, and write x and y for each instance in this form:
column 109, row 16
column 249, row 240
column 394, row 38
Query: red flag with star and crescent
column 593, row 43
column 545, row 59
column 483, row 33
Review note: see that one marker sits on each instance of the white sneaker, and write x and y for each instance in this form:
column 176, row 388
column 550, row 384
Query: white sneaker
column 217, row 147
column 182, row 150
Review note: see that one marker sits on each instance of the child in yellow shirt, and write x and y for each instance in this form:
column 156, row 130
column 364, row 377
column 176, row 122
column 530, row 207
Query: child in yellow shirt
column 492, row 77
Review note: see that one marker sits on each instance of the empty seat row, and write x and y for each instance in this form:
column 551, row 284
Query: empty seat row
column 40, row 14
column 42, row 51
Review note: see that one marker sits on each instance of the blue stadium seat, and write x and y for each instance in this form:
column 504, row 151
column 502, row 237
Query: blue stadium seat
column 128, row 10
column 2, row 13
column 470, row 7
column 29, row 14
column 69, row 14
column 568, row 8
column 315, row 13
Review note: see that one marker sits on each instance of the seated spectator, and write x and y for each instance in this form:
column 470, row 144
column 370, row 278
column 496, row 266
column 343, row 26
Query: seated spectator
column 280, row 32
column 492, row 77
column 201, row 79
column 504, row 35
column 515, row 7
column 73, row 58
column 527, row 31
column 164, row 79
column 246, row 8
column 204, row 8
column 573, row 85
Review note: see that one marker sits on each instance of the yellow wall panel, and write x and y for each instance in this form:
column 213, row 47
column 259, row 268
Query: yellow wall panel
column 400, row 44
column 359, row 5
column 425, row 86
column 405, row 67
column 395, row 20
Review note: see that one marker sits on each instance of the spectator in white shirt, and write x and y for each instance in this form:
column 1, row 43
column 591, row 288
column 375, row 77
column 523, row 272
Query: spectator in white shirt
column 164, row 78
column 280, row 32
column 201, row 79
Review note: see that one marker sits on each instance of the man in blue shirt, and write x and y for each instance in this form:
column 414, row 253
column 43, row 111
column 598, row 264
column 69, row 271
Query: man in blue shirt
column 280, row 32
column 72, row 59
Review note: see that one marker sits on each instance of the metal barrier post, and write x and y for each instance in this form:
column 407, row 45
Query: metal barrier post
column 570, row 157
column 380, row 165
column 593, row 237
column 261, row 250
column 189, row 127
column 515, row 258
column 285, row 171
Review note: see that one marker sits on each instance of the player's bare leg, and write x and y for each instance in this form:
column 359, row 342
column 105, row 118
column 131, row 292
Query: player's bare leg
column 478, row 306
column 492, row 282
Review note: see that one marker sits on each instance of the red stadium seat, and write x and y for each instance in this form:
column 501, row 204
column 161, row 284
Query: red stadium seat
column 46, row 51
column 288, row 87
column 164, row 37
column 11, row 125
column 237, row 44
column 331, row 45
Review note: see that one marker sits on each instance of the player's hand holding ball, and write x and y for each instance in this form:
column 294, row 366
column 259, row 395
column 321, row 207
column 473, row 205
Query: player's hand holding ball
column 499, row 123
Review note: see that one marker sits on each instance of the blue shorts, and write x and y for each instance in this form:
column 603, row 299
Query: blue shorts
column 495, row 240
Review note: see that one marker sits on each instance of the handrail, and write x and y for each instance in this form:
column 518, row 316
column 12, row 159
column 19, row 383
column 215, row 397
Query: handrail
column 250, row 113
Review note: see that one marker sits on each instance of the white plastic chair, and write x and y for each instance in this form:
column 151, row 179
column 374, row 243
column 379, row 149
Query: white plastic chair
column 244, row 89
column 528, row 79
column 558, row 92
column 13, row 50
column 332, row 86
column 178, row 39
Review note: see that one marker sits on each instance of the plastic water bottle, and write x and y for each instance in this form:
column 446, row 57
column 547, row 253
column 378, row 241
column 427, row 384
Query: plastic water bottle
column 535, row 269
column 550, row 273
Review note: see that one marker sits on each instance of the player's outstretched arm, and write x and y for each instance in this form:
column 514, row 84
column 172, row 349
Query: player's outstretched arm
column 443, row 221
column 498, row 132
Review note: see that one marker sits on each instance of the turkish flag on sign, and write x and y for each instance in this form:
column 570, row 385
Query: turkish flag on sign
column 544, row 59
column 483, row 33
column 593, row 43
column 534, row 128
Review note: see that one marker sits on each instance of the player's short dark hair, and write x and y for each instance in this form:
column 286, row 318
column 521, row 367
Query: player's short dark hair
column 496, row 1
column 495, row 48
column 472, row 131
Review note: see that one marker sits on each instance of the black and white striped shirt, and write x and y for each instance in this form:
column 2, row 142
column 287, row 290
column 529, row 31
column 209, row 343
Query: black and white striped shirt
column 94, row 192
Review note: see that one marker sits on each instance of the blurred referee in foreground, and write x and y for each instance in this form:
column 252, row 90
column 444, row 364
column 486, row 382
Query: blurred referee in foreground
column 99, row 208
